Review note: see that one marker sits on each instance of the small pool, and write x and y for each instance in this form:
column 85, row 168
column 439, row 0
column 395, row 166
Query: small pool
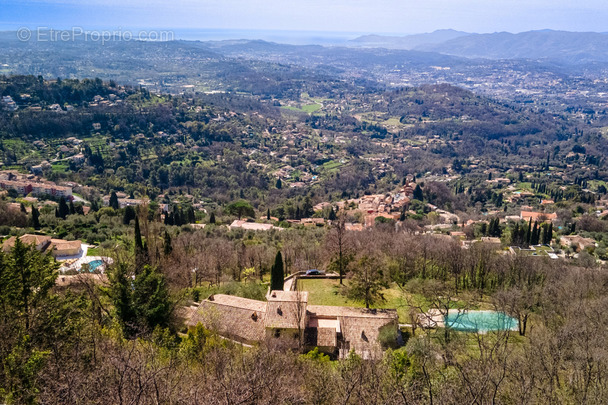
column 480, row 321
column 93, row 265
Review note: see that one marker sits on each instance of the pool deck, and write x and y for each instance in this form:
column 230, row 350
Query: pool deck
column 82, row 258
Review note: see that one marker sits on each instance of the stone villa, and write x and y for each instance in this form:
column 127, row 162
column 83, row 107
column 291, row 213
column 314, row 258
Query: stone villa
column 334, row 330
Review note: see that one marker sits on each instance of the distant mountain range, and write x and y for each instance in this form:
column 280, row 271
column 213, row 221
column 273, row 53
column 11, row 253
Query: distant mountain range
column 559, row 46
column 408, row 42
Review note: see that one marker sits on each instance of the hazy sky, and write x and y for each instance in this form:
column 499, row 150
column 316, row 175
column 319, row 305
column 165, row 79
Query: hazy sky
column 365, row 16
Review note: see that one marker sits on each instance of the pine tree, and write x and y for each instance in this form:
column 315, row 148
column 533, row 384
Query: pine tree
column 277, row 274
column 120, row 292
column 94, row 205
column 151, row 301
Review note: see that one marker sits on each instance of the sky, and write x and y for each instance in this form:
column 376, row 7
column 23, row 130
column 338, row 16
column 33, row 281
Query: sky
column 353, row 16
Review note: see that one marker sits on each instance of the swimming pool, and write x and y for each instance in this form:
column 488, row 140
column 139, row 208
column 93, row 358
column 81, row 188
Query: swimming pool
column 479, row 321
column 93, row 265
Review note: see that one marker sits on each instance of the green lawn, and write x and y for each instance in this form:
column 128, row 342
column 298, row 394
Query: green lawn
column 311, row 108
column 326, row 292
column 94, row 252
column 308, row 108
column 58, row 167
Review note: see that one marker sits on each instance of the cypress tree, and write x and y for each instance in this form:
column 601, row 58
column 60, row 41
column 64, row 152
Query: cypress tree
column 418, row 193
column 139, row 246
column 534, row 239
column 168, row 248
column 141, row 258
column 268, row 214
column 35, row 218
column 177, row 218
column 63, row 210
column 550, row 233
column 212, row 218
column 528, row 233
column 277, row 274
column 128, row 215
column 114, row 201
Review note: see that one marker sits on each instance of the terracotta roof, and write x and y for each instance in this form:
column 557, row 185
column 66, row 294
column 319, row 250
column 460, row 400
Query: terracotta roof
column 536, row 215
column 59, row 245
column 27, row 239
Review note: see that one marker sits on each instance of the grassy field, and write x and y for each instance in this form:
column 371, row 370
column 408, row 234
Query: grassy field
column 327, row 292
column 332, row 166
column 94, row 252
column 308, row 108
column 60, row 167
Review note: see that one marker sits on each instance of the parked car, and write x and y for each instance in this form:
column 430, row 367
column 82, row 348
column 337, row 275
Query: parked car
column 314, row 272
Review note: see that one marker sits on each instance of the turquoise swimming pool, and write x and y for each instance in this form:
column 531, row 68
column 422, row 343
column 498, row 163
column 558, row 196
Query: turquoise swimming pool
column 93, row 265
column 480, row 321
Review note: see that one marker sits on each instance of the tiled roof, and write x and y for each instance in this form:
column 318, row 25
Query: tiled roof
column 59, row 245
column 246, row 320
column 361, row 334
column 27, row 239
column 278, row 295
column 286, row 309
column 241, row 319
column 320, row 337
